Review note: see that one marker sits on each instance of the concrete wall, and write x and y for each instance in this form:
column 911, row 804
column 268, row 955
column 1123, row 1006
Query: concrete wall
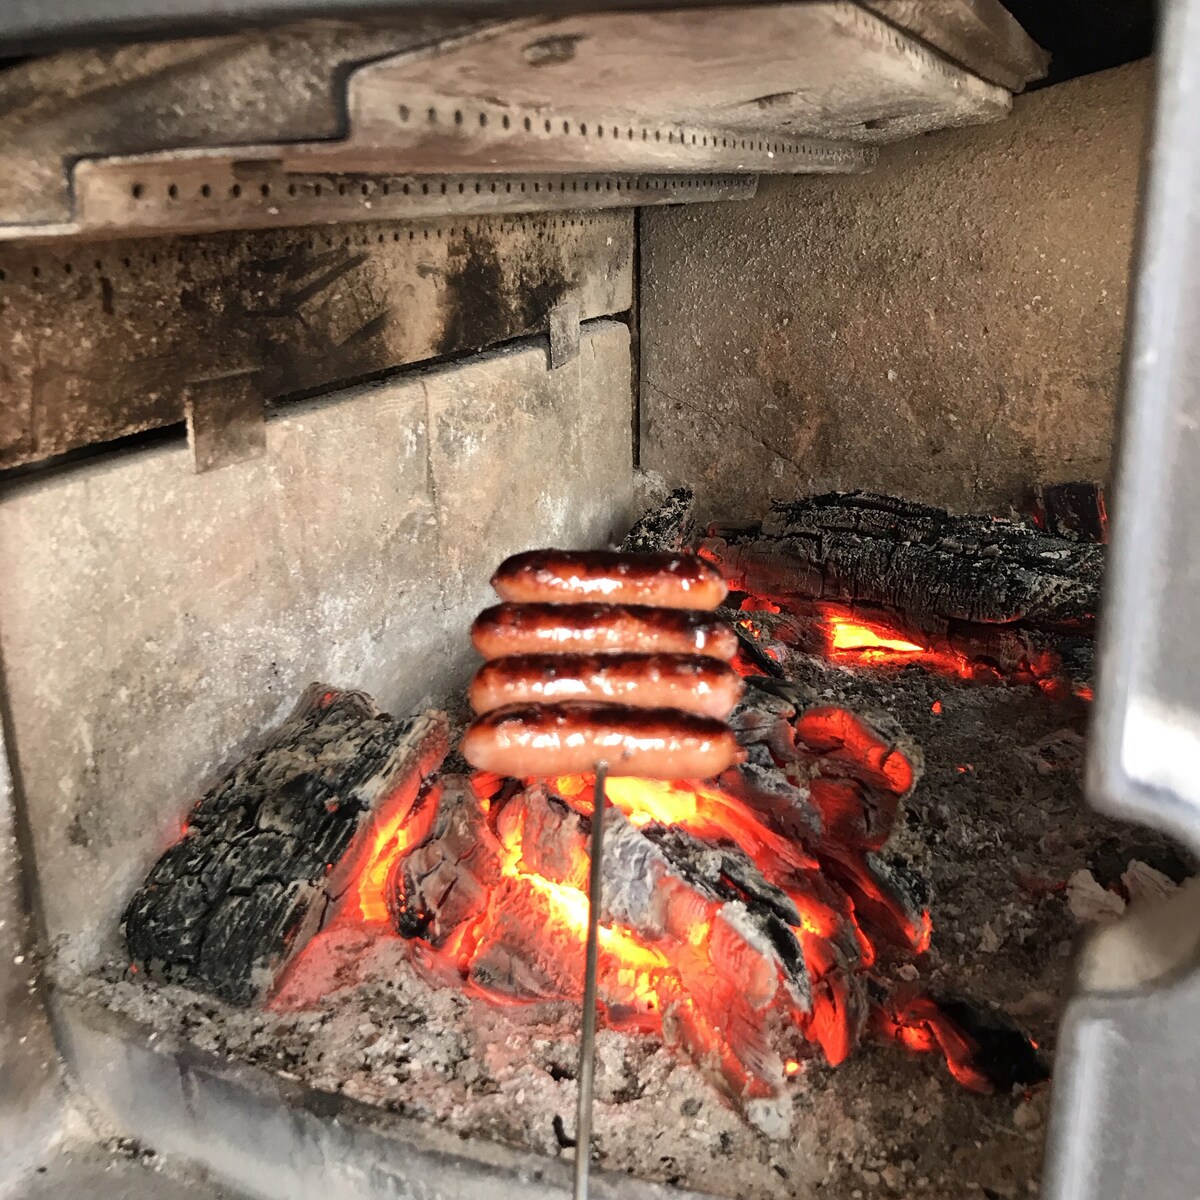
column 153, row 621
column 949, row 327
column 30, row 1089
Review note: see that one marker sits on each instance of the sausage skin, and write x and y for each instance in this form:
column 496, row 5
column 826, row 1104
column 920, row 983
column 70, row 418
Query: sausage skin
column 687, row 681
column 569, row 739
column 610, row 577
column 506, row 629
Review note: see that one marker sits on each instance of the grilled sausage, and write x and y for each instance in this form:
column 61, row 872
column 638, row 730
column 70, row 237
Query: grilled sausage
column 686, row 681
column 508, row 629
column 567, row 739
column 610, row 577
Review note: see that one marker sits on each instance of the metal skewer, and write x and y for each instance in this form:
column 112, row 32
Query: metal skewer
column 587, row 1039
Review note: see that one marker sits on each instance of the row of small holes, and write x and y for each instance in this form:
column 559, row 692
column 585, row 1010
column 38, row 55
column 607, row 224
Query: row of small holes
column 536, row 224
column 366, row 190
column 726, row 143
column 138, row 190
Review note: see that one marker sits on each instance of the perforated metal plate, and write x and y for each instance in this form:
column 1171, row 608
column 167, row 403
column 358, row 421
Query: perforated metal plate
column 194, row 195
column 777, row 88
column 108, row 339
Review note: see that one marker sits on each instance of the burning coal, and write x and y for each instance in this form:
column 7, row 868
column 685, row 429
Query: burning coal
column 741, row 920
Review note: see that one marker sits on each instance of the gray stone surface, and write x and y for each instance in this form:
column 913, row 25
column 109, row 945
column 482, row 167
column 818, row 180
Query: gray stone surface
column 949, row 327
column 107, row 339
column 30, row 1097
column 153, row 621
column 99, row 1173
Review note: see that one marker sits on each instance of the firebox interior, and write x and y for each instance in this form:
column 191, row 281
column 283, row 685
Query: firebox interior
column 287, row 380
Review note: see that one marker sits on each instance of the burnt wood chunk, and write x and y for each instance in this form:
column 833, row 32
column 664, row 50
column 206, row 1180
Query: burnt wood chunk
column 266, row 850
column 861, row 548
column 670, row 526
column 448, row 877
column 1072, row 510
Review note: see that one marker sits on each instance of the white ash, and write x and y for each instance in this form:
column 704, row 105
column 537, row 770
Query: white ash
column 1144, row 884
column 1091, row 902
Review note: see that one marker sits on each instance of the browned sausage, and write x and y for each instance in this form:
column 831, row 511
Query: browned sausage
column 508, row 629
column 568, row 739
column 608, row 576
column 686, row 681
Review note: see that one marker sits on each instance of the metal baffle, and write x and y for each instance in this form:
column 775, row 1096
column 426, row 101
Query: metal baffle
column 1129, row 1056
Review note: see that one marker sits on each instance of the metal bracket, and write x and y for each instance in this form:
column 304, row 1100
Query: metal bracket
column 226, row 420
column 564, row 332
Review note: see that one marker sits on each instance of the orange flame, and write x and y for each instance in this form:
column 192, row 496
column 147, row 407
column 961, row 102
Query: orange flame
column 921, row 1027
column 644, row 977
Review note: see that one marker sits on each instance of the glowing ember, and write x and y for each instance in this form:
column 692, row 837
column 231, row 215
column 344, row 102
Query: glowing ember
column 744, row 914
column 854, row 640
column 854, row 635
column 486, row 879
column 391, row 839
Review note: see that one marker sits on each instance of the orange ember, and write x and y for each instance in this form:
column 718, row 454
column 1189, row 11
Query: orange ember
column 922, row 1027
column 691, row 973
column 854, row 640
column 393, row 835
column 854, row 635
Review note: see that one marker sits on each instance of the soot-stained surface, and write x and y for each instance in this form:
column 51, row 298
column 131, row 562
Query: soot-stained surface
column 997, row 822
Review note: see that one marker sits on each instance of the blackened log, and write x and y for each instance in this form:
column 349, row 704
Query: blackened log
column 1052, row 659
column 858, row 547
column 721, row 996
column 753, row 645
column 819, row 774
column 765, row 708
column 836, row 788
column 1003, row 1052
column 264, row 852
column 891, row 896
column 640, row 865
column 446, row 878
column 1072, row 510
column 983, row 1047
column 670, row 526
column 641, row 873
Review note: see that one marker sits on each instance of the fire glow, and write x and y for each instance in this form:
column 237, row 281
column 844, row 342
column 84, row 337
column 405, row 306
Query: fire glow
column 852, row 640
column 697, row 982
column 485, row 878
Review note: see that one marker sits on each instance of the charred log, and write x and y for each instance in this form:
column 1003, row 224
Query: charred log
column 1072, row 510
column 983, row 1048
column 448, row 876
column 1056, row 661
column 670, row 526
column 859, row 548
column 819, row 773
column 265, row 851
